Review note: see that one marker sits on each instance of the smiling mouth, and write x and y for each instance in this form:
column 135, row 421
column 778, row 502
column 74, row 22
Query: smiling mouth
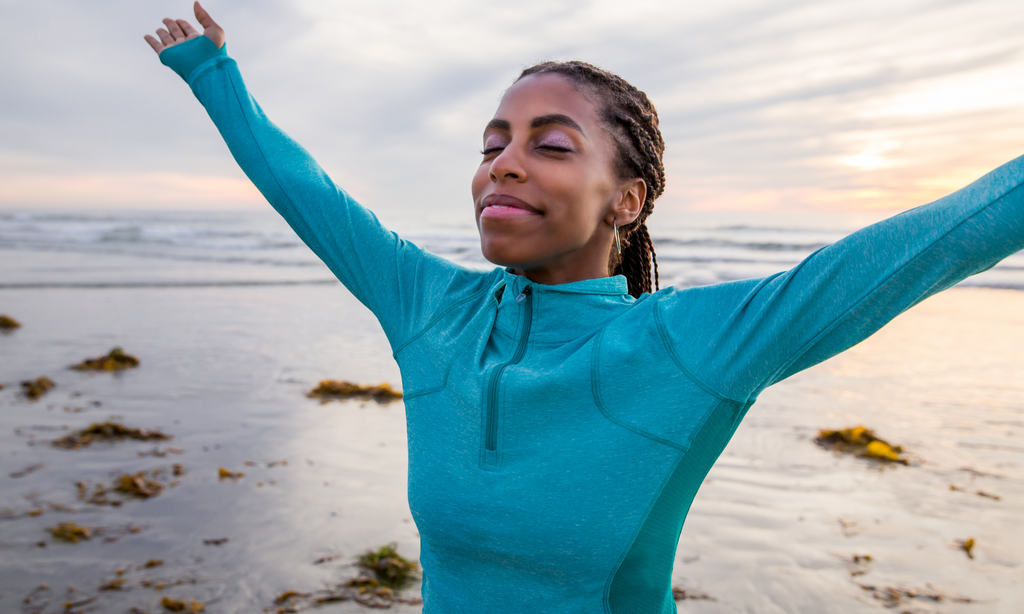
column 502, row 206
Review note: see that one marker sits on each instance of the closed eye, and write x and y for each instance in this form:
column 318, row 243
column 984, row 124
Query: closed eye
column 491, row 150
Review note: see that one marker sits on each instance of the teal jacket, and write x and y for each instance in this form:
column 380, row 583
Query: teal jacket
column 558, row 434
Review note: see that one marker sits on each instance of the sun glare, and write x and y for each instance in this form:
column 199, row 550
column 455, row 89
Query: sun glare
column 866, row 161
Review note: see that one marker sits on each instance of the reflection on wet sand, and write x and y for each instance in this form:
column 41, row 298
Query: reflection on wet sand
column 271, row 501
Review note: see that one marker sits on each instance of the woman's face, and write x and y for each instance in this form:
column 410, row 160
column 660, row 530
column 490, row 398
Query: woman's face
column 546, row 192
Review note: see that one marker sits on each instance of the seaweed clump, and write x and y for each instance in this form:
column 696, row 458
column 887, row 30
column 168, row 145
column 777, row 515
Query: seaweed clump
column 138, row 485
column 682, row 594
column 967, row 545
column 7, row 323
column 860, row 442
column 226, row 474
column 860, row 564
column 896, row 596
column 36, row 388
column 70, row 532
column 107, row 431
column 389, row 568
column 180, row 605
column 333, row 389
column 364, row 591
column 116, row 360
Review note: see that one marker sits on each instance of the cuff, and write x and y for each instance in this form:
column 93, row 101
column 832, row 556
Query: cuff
column 184, row 58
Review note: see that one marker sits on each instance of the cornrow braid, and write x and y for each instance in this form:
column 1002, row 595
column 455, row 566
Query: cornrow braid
column 632, row 122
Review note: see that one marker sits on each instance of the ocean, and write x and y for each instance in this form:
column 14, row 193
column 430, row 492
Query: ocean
column 258, row 248
column 234, row 321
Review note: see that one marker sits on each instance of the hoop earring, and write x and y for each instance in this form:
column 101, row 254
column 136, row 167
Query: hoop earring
column 618, row 245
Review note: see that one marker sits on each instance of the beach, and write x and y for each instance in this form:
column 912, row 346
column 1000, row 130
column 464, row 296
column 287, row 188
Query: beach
column 234, row 328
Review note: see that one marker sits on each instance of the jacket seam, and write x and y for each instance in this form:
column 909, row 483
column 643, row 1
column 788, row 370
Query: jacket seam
column 208, row 66
column 315, row 244
column 437, row 318
column 448, row 369
column 657, row 495
column 606, row 594
column 270, row 169
column 595, row 388
column 663, row 333
column 835, row 322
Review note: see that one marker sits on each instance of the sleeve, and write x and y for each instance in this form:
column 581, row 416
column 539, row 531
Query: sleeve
column 740, row 337
column 400, row 283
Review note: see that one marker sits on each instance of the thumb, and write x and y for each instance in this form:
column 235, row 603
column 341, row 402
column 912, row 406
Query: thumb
column 210, row 28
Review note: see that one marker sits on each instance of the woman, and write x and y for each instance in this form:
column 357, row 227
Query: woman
column 561, row 418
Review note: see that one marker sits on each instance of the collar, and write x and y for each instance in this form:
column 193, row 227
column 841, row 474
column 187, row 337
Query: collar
column 613, row 286
column 562, row 312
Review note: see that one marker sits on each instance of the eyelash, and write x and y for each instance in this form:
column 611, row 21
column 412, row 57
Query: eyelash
column 555, row 148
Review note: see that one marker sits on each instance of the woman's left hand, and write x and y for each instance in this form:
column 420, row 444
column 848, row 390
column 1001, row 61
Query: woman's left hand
column 180, row 30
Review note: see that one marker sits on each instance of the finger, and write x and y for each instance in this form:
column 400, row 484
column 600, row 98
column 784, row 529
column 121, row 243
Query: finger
column 210, row 28
column 187, row 28
column 174, row 29
column 165, row 37
column 203, row 17
column 154, row 43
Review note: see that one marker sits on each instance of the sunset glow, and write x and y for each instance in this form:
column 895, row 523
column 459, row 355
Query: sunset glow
column 767, row 106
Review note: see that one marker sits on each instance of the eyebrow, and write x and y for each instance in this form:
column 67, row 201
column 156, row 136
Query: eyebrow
column 538, row 122
column 498, row 124
column 563, row 120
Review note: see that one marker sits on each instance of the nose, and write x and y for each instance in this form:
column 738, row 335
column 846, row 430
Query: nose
column 507, row 166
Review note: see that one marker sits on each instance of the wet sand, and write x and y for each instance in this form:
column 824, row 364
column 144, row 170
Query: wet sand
column 225, row 369
column 778, row 520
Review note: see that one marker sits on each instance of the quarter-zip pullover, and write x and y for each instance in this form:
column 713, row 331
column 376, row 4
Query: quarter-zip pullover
column 558, row 434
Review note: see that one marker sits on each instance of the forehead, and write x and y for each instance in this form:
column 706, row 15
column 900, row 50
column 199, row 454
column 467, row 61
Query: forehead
column 546, row 94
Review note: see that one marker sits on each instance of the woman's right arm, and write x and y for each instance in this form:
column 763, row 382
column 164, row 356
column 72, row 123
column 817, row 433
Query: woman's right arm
column 400, row 283
column 740, row 337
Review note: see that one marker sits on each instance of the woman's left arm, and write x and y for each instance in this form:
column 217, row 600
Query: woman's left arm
column 740, row 337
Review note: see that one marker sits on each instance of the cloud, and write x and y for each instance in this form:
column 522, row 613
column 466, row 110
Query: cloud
column 786, row 104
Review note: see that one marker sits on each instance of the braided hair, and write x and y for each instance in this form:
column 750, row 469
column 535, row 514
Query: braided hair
column 632, row 123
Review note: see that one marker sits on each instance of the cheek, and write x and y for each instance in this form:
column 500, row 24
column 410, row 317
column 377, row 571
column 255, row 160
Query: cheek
column 480, row 181
column 584, row 196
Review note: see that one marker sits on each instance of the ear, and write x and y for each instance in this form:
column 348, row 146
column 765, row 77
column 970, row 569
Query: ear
column 630, row 201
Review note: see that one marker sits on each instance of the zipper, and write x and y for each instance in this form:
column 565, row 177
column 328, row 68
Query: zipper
column 491, row 439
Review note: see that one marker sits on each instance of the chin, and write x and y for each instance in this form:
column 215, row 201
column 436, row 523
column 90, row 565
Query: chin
column 508, row 256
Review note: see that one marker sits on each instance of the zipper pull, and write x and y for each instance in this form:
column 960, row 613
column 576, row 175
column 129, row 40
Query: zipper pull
column 522, row 296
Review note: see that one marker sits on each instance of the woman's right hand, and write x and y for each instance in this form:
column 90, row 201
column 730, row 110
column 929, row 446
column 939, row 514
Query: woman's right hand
column 180, row 30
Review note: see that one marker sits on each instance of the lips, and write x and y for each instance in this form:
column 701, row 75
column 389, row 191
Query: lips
column 505, row 206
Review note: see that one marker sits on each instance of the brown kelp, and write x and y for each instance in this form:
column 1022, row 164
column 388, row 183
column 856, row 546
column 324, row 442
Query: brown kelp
column 384, row 573
column 389, row 568
column 227, row 474
column 954, row 487
column 895, row 596
column 33, row 389
column 333, row 389
column 860, row 564
column 107, row 431
column 27, row 470
column 70, row 532
column 116, row 360
column 138, row 485
column 862, row 442
column 366, row 594
column 967, row 545
column 180, row 605
column 683, row 594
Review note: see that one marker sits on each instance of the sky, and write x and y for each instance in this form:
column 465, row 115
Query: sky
column 765, row 105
